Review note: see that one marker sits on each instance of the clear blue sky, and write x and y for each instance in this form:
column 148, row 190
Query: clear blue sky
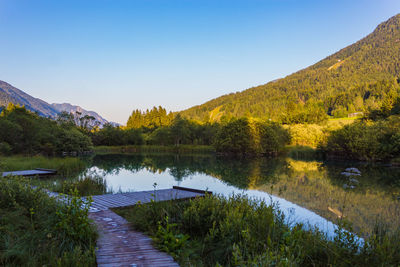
column 113, row 56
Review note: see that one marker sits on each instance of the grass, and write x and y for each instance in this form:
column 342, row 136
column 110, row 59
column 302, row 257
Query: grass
column 86, row 186
column 187, row 149
column 238, row 231
column 66, row 179
column 36, row 230
column 66, row 167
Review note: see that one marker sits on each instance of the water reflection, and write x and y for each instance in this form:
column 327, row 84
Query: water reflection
column 314, row 185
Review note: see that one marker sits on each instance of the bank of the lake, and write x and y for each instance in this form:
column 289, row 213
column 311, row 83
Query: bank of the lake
column 238, row 231
column 186, row 149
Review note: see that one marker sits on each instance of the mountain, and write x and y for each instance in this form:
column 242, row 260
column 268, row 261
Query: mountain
column 74, row 109
column 357, row 78
column 10, row 94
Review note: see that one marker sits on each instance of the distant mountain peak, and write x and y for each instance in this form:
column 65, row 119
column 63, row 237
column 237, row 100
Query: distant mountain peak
column 11, row 94
column 74, row 109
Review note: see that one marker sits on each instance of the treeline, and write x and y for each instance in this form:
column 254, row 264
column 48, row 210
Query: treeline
column 238, row 136
column 150, row 119
column 375, row 137
column 24, row 132
column 231, row 135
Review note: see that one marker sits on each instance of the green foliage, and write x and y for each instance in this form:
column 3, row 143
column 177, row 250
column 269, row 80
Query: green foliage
column 73, row 220
column 235, row 137
column 24, row 132
column 30, row 229
column 242, row 136
column 238, row 231
column 359, row 77
column 184, row 132
column 152, row 119
column 366, row 141
column 391, row 106
column 111, row 135
column 169, row 241
column 307, row 134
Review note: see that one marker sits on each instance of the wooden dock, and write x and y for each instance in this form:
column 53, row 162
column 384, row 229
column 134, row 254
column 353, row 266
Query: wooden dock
column 35, row 172
column 118, row 244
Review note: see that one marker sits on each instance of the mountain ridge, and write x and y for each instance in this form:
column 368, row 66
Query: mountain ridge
column 367, row 69
column 11, row 94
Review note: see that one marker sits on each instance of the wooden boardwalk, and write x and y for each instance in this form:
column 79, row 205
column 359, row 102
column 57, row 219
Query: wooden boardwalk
column 35, row 172
column 118, row 244
column 104, row 202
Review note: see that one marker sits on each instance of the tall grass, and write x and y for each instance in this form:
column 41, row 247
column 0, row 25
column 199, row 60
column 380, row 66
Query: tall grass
column 85, row 186
column 66, row 167
column 238, row 231
column 36, row 230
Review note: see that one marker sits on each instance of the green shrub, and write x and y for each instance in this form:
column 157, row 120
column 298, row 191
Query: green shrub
column 366, row 141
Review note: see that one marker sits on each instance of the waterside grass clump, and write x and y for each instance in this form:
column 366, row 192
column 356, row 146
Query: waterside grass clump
column 86, row 186
column 238, row 231
column 37, row 230
column 65, row 166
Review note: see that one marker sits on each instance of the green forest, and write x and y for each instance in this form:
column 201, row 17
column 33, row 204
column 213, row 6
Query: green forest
column 373, row 137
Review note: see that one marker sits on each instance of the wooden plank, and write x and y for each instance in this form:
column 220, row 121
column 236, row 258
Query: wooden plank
column 191, row 190
column 118, row 244
column 38, row 172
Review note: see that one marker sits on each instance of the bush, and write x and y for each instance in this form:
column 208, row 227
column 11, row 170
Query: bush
column 366, row 141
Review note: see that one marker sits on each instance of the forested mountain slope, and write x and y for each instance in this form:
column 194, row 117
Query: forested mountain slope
column 359, row 77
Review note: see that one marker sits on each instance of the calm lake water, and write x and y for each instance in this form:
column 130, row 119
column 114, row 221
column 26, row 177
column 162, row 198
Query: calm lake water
column 312, row 192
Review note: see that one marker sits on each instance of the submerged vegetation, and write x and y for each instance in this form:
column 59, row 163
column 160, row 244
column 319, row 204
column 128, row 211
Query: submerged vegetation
column 238, row 231
column 36, row 230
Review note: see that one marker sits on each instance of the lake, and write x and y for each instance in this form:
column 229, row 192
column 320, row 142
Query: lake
column 312, row 192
